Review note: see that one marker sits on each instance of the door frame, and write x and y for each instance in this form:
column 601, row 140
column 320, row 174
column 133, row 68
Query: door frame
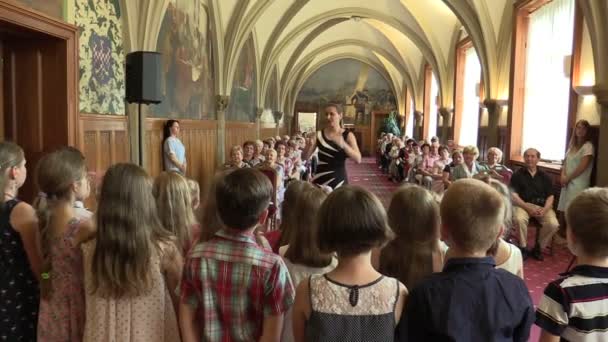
column 33, row 20
column 374, row 129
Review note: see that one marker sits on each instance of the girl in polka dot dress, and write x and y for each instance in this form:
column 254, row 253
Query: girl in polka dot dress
column 131, row 266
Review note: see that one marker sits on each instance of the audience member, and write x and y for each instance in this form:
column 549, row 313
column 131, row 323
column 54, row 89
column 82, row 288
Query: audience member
column 61, row 178
column 302, row 255
column 236, row 159
column 507, row 256
column 132, row 267
column 425, row 167
column 416, row 251
column 533, row 198
column 353, row 302
column 19, row 232
column 438, row 185
column 447, row 170
column 259, row 151
column 174, row 205
column 282, row 159
column 470, row 168
column 496, row 170
column 219, row 303
column 470, row 300
column 248, row 151
column 573, row 307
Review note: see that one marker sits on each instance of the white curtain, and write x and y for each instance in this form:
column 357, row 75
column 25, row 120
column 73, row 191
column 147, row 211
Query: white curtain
column 433, row 114
column 409, row 128
column 470, row 104
column 547, row 92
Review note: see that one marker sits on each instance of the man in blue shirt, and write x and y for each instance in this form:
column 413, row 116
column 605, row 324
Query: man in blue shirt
column 470, row 300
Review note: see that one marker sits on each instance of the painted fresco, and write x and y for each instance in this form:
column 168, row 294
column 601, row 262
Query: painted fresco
column 54, row 8
column 187, row 73
column 272, row 100
column 242, row 106
column 356, row 85
column 101, row 57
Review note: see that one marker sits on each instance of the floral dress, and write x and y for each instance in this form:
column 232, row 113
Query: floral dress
column 62, row 315
column 18, row 285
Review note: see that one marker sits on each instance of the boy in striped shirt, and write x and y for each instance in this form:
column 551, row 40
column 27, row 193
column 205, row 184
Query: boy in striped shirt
column 575, row 307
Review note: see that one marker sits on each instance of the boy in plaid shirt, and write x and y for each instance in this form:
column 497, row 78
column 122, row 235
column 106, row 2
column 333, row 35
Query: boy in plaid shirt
column 232, row 289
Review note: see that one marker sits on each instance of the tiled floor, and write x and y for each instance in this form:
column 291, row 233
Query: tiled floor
column 536, row 273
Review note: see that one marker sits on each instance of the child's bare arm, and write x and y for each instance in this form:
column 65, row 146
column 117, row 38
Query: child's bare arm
column 272, row 328
column 188, row 324
column 301, row 311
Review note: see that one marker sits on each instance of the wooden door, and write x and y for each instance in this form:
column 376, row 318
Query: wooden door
column 38, row 88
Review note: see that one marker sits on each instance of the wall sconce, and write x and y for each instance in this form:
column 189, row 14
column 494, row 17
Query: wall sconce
column 584, row 90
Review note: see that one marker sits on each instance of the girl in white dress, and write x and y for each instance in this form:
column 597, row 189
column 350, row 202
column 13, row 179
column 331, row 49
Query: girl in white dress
column 576, row 170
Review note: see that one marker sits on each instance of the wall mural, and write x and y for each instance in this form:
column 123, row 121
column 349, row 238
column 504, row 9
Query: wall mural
column 101, row 57
column 272, row 100
column 243, row 102
column 356, row 85
column 187, row 72
column 54, row 8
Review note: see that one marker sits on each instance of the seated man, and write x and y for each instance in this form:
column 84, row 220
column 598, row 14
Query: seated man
column 533, row 197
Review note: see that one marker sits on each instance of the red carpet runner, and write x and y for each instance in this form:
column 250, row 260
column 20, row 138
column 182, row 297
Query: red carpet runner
column 537, row 274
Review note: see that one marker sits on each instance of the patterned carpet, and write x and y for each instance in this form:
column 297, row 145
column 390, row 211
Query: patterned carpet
column 536, row 273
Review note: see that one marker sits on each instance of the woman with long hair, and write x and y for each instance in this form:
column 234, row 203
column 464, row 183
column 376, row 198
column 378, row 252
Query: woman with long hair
column 416, row 250
column 335, row 145
column 132, row 268
column 174, row 152
column 20, row 261
column 576, row 171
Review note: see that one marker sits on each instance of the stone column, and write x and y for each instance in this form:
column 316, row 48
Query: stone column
column 494, row 108
column 601, row 94
column 278, row 115
column 446, row 114
column 418, row 125
column 221, row 103
column 258, row 121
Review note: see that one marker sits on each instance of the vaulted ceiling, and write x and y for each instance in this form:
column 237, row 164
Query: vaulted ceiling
column 397, row 37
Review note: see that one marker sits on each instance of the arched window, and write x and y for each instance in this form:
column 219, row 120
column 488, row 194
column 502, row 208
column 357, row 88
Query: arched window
column 547, row 86
column 433, row 108
column 470, row 101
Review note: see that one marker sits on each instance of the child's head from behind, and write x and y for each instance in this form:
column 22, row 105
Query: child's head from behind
column 587, row 218
column 242, row 198
column 174, row 205
column 413, row 214
column 288, row 208
column 303, row 242
column 472, row 216
column 352, row 221
column 61, row 175
column 127, row 229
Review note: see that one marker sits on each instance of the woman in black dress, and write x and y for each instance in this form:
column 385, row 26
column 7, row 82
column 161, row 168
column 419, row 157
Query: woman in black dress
column 335, row 144
column 19, row 258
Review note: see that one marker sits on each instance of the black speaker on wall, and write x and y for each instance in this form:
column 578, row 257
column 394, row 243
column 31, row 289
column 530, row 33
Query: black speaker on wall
column 143, row 76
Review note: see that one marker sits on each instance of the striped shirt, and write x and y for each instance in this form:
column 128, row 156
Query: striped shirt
column 235, row 284
column 575, row 307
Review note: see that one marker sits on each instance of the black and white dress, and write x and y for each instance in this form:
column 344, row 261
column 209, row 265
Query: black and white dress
column 341, row 312
column 331, row 169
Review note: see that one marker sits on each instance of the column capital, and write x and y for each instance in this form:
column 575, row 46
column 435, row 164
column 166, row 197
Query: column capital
column 418, row 114
column 221, row 102
column 445, row 111
column 601, row 94
column 278, row 115
column 258, row 112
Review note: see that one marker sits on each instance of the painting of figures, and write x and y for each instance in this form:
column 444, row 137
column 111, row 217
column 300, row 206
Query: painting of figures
column 272, row 100
column 54, row 8
column 187, row 84
column 356, row 85
column 242, row 106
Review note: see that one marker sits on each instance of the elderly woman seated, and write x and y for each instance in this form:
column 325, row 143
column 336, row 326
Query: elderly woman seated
column 470, row 168
column 496, row 170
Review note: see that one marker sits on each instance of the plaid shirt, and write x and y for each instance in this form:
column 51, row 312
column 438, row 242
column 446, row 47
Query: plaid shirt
column 234, row 284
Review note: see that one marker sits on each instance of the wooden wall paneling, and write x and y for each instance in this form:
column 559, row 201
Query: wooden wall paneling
column 237, row 133
column 267, row 132
column 366, row 140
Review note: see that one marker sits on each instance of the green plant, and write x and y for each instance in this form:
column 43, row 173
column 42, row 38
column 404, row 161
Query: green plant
column 390, row 124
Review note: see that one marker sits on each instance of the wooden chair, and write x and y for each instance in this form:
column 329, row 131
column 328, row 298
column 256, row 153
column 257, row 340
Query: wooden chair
column 271, row 220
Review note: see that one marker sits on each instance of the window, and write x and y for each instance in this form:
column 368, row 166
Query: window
column 433, row 108
column 409, row 128
column 307, row 122
column 547, row 87
column 470, row 102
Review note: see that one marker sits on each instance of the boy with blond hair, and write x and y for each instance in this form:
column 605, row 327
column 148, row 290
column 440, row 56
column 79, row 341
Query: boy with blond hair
column 575, row 306
column 470, row 300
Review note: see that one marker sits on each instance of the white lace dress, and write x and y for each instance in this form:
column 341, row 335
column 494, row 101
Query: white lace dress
column 352, row 313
